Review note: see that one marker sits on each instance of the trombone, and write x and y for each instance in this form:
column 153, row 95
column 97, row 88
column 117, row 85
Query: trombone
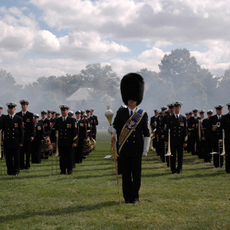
column 223, row 149
column 168, row 154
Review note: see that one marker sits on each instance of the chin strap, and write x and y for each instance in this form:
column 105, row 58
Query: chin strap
column 146, row 145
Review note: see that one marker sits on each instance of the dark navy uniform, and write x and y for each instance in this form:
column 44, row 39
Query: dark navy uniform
column 215, row 137
column 193, row 134
column 28, row 127
column 178, row 137
column 226, row 127
column 82, row 135
column 207, row 143
column 67, row 135
column 37, row 143
column 13, row 136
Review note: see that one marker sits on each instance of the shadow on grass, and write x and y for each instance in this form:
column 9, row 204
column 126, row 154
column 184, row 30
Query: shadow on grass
column 60, row 211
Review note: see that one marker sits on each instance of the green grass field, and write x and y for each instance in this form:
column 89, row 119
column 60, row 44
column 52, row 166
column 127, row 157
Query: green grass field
column 197, row 199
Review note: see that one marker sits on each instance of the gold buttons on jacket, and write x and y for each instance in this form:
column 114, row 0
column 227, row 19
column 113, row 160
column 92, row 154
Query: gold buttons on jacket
column 133, row 141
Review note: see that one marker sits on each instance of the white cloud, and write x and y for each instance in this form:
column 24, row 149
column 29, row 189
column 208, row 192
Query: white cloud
column 32, row 69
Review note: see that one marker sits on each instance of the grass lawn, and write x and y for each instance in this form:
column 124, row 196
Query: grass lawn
column 197, row 199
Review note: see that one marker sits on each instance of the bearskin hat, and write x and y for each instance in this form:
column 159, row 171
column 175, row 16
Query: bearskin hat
column 132, row 88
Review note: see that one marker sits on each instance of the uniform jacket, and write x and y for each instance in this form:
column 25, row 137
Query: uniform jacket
column 13, row 131
column 47, row 126
column 206, row 128
column 215, row 135
column 67, row 131
column 133, row 146
column 39, row 132
column 178, row 130
column 192, row 126
column 226, row 127
column 82, row 126
column 28, row 124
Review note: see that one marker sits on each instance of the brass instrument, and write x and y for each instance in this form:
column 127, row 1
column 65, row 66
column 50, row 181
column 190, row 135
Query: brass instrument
column 169, row 147
column 57, row 152
column 223, row 149
column 153, row 136
column 217, row 125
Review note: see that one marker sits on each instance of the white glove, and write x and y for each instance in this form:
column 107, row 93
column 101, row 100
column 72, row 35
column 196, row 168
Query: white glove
column 146, row 146
column 112, row 131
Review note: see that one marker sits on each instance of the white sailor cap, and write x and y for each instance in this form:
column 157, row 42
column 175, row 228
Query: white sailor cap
column 171, row 105
column 44, row 111
column 219, row 107
column 24, row 102
column 163, row 108
column 202, row 111
column 11, row 105
column 210, row 111
column 64, row 107
column 178, row 104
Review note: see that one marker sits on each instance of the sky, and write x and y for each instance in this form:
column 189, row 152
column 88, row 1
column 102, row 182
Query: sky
column 55, row 37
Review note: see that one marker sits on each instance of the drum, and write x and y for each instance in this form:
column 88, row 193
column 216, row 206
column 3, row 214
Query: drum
column 87, row 146
column 93, row 143
column 46, row 144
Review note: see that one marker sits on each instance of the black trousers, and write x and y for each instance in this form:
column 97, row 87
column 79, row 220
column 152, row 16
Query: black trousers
column 227, row 157
column 200, row 150
column 65, row 156
column 36, row 148
column 177, row 154
column 162, row 149
column 12, row 160
column 131, row 177
column 79, row 151
column 207, row 150
column 194, row 143
column 216, row 156
column 25, row 149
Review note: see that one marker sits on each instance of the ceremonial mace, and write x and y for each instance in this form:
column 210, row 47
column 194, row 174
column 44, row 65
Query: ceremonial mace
column 109, row 116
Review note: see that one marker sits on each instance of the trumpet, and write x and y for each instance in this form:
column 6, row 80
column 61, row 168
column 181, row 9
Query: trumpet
column 169, row 147
column 223, row 149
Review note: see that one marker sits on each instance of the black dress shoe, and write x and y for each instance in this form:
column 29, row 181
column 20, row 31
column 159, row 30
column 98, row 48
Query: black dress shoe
column 128, row 202
column 135, row 201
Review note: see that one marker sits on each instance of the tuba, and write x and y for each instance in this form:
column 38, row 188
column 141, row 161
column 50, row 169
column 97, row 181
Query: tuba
column 169, row 147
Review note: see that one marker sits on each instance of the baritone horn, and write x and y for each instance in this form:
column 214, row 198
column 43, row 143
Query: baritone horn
column 223, row 149
column 169, row 147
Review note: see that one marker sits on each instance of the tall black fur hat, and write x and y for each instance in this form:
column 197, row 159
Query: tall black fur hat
column 132, row 88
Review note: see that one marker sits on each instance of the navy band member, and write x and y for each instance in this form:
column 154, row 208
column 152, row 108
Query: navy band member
column 38, row 139
column 47, row 130
column 95, row 124
column 193, row 131
column 201, row 135
column 226, row 127
column 207, row 136
column 131, row 125
column 178, row 137
column 216, row 134
column 161, row 127
column 153, row 125
column 82, row 135
column 1, row 141
column 28, row 126
column 67, row 138
column 13, row 139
